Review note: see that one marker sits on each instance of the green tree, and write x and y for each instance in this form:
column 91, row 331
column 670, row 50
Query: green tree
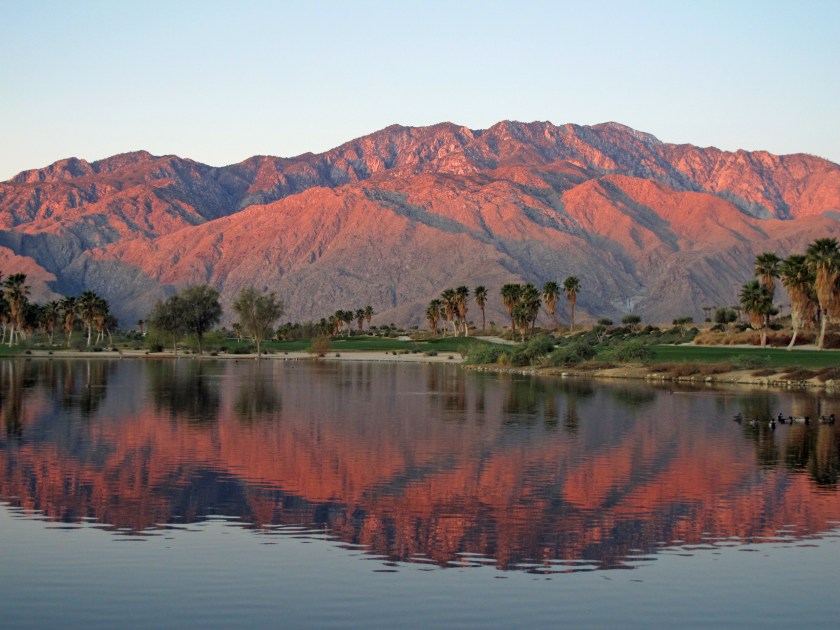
column 571, row 287
column 200, row 310
column 757, row 301
column 550, row 293
column 449, row 299
column 480, row 296
column 167, row 321
column 258, row 313
column 360, row 318
column 368, row 314
column 767, row 270
column 823, row 260
column 433, row 315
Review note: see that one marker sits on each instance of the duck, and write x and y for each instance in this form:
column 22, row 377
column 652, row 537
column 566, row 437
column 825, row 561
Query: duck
column 772, row 424
column 799, row 420
column 738, row 417
column 781, row 419
column 827, row 419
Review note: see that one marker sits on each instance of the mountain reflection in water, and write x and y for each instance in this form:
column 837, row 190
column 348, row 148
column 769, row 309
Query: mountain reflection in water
column 413, row 462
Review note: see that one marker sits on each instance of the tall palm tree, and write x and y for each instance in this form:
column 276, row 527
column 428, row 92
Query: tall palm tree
column 480, row 296
column 17, row 292
column 571, row 287
column 449, row 300
column 100, row 318
column 823, row 260
column 368, row 314
column 360, row 318
column 757, row 301
column 799, row 282
column 433, row 315
column 69, row 311
column 767, row 270
column 347, row 317
column 510, row 295
column 50, row 316
column 530, row 299
column 88, row 306
column 462, row 295
column 550, row 293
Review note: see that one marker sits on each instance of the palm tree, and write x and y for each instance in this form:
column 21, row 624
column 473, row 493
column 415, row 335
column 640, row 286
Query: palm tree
column 433, row 315
column 571, row 287
column 510, row 295
column 480, row 294
column 368, row 314
column 462, row 295
column 823, row 260
column 530, row 299
column 360, row 318
column 550, row 293
column 767, row 270
column 50, row 315
column 799, row 282
column 757, row 301
column 449, row 300
column 17, row 293
column 69, row 310
column 347, row 317
column 88, row 306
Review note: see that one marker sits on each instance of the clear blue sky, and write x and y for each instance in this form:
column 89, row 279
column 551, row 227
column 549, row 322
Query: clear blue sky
column 221, row 81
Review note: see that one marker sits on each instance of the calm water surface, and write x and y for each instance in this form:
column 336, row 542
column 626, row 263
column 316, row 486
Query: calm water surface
column 220, row 493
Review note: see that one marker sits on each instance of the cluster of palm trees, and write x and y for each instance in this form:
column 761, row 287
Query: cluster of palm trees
column 334, row 324
column 812, row 281
column 521, row 301
column 19, row 317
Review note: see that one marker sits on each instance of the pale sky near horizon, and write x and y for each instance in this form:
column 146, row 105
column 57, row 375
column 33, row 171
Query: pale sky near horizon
column 221, row 81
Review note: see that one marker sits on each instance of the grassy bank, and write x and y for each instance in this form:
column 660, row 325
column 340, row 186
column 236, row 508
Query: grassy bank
column 774, row 357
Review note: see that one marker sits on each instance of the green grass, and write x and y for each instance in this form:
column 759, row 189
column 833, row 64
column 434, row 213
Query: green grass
column 716, row 354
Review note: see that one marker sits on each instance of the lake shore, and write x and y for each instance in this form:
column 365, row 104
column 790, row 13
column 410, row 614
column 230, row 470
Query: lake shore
column 629, row 372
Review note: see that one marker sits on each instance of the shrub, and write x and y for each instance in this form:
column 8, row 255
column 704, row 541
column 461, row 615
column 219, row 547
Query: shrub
column 605, row 321
column 572, row 354
column 533, row 351
column 682, row 321
column 430, row 353
column 480, row 354
column 633, row 351
column 829, row 374
column 631, row 319
column 764, row 372
column 319, row 346
column 799, row 374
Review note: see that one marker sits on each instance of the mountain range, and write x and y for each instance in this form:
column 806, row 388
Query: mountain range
column 392, row 218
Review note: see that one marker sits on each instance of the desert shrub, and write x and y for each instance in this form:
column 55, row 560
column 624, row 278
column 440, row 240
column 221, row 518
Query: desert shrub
column 244, row 349
column 572, row 354
column 319, row 346
column 605, row 321
column 682, row 321
column 480, row 354
column 750, row 361
column 430, row 353
column 631, row 319
column 725, row 316
column 633, row 351
column 764, row 372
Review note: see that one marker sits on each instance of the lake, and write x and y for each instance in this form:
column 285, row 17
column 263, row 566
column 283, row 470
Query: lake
column 141, row 493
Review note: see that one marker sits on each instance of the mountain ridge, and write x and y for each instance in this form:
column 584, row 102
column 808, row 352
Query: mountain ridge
column 528, row 201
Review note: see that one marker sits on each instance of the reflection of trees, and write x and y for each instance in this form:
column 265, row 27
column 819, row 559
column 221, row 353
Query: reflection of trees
column 257, row 397
column 520, row 399
column 826, row 460
column 184, row 388
column 79, row 384
column 12, row 397
column 632, row 396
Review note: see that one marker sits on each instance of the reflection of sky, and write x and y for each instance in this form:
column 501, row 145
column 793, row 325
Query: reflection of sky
column 213, row 575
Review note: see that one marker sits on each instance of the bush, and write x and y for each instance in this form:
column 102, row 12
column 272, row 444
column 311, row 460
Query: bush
column 631, row 319
column 481, row 354
column 572, row 354
column 633, row 351
column 533, row 351
column 605, row 321
column 682, row 321
column 319, row 346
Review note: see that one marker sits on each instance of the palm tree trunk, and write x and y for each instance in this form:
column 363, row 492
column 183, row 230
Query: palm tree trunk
column 823, row 322
column 792, row 339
